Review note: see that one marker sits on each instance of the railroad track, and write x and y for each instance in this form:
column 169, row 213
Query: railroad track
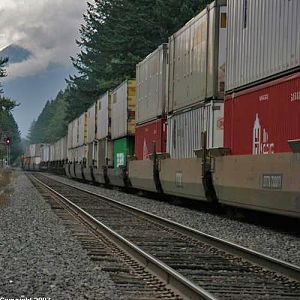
column 192, row 264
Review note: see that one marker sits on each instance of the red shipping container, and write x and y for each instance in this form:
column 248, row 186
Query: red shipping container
column 148, row 134
column 262, row 119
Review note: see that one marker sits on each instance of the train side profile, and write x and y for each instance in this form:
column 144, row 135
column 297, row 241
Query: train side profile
column 213, row 115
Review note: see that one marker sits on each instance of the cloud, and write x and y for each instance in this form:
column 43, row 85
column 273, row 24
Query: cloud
column 47, row 28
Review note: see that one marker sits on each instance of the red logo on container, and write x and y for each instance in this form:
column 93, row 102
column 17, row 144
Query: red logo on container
column 220, row 123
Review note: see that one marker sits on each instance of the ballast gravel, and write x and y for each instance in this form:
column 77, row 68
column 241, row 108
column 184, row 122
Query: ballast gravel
column 39, row 257
column 278, row 245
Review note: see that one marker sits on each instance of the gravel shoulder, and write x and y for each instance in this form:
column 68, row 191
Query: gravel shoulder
column 278, row 245
column 39, row 257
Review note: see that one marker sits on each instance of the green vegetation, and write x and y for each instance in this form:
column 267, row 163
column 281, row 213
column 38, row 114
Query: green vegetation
column 8, row 125
column 117, row 34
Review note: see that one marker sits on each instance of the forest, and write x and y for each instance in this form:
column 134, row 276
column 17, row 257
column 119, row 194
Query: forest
column 115, row 36
column 8, row 126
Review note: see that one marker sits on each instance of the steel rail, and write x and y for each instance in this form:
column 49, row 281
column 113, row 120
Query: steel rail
column 173, row 280
column 284, row 268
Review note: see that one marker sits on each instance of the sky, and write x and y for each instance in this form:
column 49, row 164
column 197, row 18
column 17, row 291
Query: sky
column 48, row 29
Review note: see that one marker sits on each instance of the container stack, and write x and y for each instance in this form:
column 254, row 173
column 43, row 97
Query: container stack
column 196, row 82
column 123, row 121
column 262, row 105
column 151, row 130
column 104, row 153
column 91, row 135
column 77, row 144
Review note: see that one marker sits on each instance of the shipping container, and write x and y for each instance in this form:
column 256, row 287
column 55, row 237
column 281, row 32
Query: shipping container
column 75, row 133
column 148, row 135
column 104, row 116
column 185, row 128
column 262, row 119
column 57, row 150
column 52, row 153
column 45, row 153
column 63, row 145
column 123, row 110
column 151, row 85
column 35, row 150
column 82, row 129
column 80, row 153
column 123, row 148
column 92, row 125
column 197, row 55
column 70, row 134
column 263, row 40
column 105, row 153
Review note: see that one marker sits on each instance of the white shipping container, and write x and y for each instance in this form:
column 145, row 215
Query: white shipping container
column 64, row 147
column 57, row 150
column 70, row 135
column 45, row 153
column 91, row 119
column 82, row 129
column 35, row 150
column 197, row 54
column 32, row 150
column 123, row 109
column 52, row 153
column 263, row 40
column 104, row 116
column 81, row 153
column 185, row 128
column 151, row 84
column 75, row 133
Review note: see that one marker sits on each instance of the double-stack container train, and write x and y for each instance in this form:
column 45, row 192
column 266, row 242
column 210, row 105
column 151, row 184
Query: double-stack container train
column 213, row 115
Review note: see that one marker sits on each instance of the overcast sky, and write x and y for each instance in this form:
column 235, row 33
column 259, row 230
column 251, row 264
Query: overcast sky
column 48, row 29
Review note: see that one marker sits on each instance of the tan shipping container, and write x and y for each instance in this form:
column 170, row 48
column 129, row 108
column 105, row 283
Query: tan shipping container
column 263, row 41
column 82, row 129
column 104, row 116
column 123, row 109
column 70, row 135
column 91, row 119
column 197, row 55
column 75, row 133
column 151, row 85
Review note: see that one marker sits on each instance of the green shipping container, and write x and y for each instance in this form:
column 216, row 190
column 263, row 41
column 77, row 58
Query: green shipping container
column 122, row 148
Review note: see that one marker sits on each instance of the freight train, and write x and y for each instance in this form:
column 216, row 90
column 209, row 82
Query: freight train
column 213, row 115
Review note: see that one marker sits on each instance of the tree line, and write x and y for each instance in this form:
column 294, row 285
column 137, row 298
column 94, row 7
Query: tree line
column 115, row 36
column 8, row 125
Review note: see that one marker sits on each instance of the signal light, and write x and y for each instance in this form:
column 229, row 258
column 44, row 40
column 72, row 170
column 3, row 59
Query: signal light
column 7, row 141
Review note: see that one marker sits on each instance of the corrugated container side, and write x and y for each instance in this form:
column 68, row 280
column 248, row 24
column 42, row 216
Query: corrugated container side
column 151, row 80
column 75, row 133
column 64, row 147
column 45, row 153
column 123, row 109
column 148, row 134
column 82, row 129
column 70, row 135
column 263, row 40
column 104, row 116
column 52, row 153
column 105, row 153
column 123, row 148
column 197, row 58
column 262, row 119
column 184, row 129
column 91, row 119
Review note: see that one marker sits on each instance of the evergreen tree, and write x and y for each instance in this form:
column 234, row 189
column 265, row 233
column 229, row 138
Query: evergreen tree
column 117, row 34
